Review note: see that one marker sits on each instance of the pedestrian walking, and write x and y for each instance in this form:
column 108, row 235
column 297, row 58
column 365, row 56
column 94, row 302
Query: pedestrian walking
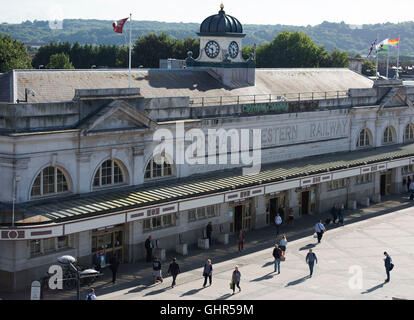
column 277, row 254
column 291, row 216
column 235, row 279
column 411, row 190
column 174, row 270
column 148, row 247
column 334, row 213
column 408, row 183
column 91, row 295
column 240, row 240
column 310, row 260
column 209, row 231
column 283, row 244
column 96, row 260
column 342, row 215
column 388, row 265
column 156, row 270
column 319, row 229
column 278, row 222
column 114, row 267
column 208, row 272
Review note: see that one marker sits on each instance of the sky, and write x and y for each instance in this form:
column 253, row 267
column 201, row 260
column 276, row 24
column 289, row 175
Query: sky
column 292, row 12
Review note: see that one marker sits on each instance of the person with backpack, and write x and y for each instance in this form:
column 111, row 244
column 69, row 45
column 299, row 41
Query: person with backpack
column 277, row 254
column 235, row 279
column 310, row 260
column 174, row 270
column 388, row 265
column 283, row 244
column 156, row 270
column 91, row 295
column 208, row 272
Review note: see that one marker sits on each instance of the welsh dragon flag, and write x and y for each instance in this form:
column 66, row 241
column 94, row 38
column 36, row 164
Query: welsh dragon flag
column 119, row 25
column 382, row 46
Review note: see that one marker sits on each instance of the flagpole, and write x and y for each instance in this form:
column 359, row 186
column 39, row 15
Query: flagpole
column 376, row 65
column 398, row 57
column 388, row 59
column 130, row 35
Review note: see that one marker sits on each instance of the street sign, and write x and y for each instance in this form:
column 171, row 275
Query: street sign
column 35, row 292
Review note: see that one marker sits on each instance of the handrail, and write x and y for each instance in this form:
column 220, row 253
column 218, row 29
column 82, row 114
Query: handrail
column 267, row 98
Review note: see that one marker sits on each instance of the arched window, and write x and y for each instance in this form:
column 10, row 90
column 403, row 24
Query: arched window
column 409, row 132
column 388, row 135
column 109, row 173
column 158, row 170
column 50, row 180
column 364, row 138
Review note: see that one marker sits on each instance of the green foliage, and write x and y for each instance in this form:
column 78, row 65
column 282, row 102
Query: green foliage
column 297, row 50
column 149, row 49
column 368, row 67
column 13, row 55
column 327, row 34
column 59, row 61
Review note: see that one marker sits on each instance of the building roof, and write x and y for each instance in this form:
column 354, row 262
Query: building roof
column 60, row 85
column 60, row 210
column 220, row 23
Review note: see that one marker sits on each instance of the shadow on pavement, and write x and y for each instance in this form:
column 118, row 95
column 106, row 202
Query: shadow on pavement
column 308, row 246
column 267, row 264
column 265, row 277
column 295, row 282
column 191, row 292
column 225, row 296
column 152, row 293
column 374, row 288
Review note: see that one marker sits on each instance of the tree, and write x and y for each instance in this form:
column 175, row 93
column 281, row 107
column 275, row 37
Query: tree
column 59, row 61
column 368, row 68
column 288, row 50
column 339, row 59
column 13, row 55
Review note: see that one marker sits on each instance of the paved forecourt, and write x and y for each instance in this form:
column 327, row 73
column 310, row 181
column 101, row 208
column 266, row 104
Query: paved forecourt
column 345, row 254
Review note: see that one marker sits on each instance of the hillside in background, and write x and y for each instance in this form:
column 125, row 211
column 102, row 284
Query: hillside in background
column 330, row 35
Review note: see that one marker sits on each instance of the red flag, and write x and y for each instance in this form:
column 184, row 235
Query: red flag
column 119, row 25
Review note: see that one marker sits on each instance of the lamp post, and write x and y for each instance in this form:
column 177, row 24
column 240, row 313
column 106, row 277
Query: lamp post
column 69, row 260
column 15, row 179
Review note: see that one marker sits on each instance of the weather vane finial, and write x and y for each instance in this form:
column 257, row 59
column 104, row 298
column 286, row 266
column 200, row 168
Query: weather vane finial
column 222, row 6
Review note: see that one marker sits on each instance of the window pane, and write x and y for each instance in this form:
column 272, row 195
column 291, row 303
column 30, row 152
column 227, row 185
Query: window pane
column 62, row 185
column 62, row 242
column 48, row 180
column 36, row 186
column 118, row 178
column 156, row 170
column 191, row 215
column 167, row 169
column 34, row 247
column 49, row 245
column 107, row 172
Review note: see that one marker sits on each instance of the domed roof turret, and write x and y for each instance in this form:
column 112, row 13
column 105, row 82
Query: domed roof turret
column 221, row 23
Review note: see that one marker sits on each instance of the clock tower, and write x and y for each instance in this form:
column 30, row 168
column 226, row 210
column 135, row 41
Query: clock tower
column 221, row 51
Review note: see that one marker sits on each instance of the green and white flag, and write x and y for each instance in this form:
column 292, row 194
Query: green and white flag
column 382, row 46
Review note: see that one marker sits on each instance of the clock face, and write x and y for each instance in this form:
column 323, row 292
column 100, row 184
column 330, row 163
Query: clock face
column 233, row 49
column 212, row 49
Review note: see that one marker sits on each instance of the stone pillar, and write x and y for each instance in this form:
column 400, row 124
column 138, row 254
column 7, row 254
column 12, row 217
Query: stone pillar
column 84, row 173
column 260, row 212
column 397, row 181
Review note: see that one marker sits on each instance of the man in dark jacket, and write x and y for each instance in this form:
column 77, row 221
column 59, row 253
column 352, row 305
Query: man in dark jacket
column 148, row 247
column 277, row 253
column 174, row 270
column 310, row 260
column 387, row 263
column 209, row 230
column 114, row 267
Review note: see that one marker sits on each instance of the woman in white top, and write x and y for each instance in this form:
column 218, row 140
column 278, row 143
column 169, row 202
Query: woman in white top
column 283, row 244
